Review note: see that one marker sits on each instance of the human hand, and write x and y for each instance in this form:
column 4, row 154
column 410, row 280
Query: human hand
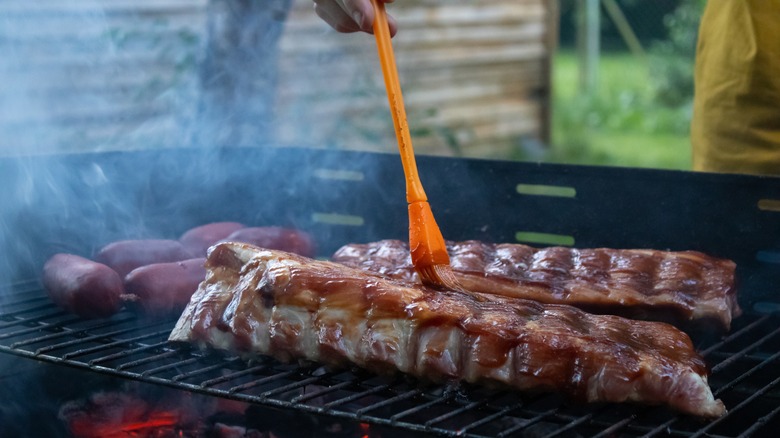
column 348, row 16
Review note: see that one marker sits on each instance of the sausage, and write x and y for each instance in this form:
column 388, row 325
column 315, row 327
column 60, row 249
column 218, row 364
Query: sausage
column 164, row 288
column 125, row 255
column 198, row 240
column 283, row 239
column 81, row 286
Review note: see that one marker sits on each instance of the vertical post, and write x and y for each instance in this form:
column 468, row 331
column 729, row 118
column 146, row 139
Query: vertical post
column 588, row 39
column 553, row 20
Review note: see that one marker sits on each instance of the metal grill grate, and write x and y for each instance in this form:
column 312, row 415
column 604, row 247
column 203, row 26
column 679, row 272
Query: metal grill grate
column 745, row 374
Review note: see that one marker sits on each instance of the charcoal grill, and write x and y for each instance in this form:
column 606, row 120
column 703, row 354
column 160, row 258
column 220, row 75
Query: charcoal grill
column 345, row 197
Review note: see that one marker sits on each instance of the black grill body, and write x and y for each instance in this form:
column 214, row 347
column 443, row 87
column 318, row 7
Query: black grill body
column 78, row 203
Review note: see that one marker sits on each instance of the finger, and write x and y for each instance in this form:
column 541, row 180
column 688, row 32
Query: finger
column 351, row 15
column 392, row 23
column 363, row 13
column 333, row 14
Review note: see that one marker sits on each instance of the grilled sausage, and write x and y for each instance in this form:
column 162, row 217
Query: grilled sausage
column 198, row 240
column 125, row 255
column 164, row 288
column 283, row 239
column 81, row 286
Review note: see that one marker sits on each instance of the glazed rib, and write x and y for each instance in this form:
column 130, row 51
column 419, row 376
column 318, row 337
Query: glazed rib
column 257, row 301
column 685, row 288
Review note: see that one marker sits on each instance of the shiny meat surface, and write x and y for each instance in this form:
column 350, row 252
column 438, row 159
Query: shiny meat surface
column 680, row 287
column 257, row 301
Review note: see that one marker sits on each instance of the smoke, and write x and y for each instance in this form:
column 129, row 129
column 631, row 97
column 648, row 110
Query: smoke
column 98, row 76
column 80, row 76
column 86, row 76
column 238, row 74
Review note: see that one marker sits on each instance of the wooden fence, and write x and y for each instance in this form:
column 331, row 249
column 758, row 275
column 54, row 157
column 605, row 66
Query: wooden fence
column 122, row 74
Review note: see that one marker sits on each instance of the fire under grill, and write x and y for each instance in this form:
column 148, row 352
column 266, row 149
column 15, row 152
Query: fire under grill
column 77, row 203
column 745, row 374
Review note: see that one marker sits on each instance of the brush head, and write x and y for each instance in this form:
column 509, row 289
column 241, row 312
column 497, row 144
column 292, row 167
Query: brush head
column 428, row 249
column 439, row 277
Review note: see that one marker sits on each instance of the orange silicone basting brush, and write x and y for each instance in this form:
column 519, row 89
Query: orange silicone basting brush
column 429, row 252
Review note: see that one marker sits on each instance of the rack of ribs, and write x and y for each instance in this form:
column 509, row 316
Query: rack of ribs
column 264, row 302
column 688, row 288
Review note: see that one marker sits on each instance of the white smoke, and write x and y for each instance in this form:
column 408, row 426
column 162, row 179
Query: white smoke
column 86, row 76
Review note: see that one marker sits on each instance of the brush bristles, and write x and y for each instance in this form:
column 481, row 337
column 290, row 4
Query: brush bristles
column 439, row 277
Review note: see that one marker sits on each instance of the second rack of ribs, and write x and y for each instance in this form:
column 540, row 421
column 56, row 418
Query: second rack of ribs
column 687, row 288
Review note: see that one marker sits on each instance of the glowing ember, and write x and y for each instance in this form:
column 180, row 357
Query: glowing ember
column 111, row 415
column 162, row 424
column 171, row 414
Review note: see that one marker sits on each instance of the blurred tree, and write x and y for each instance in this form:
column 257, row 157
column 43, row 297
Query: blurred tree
column 672, row 60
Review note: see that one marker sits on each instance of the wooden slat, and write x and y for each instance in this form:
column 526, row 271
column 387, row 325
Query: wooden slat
column 26, row 8
column 505, row 72
column 112, row 32
column 430, row 38
column 142, row 132
column 85, row 111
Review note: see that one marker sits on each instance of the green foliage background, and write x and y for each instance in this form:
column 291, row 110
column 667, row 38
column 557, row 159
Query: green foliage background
column 639, row 115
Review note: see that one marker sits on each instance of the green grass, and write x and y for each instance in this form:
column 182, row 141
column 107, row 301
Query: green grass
column 620, row 124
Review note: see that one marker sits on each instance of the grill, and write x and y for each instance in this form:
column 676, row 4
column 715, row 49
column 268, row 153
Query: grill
column 344, row 197
column 745, row 374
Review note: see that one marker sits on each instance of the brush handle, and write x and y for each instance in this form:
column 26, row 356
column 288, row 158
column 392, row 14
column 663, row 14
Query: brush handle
column 414, row 189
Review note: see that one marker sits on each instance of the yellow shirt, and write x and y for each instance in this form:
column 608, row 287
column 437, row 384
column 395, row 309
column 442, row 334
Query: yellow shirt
column 736, row 106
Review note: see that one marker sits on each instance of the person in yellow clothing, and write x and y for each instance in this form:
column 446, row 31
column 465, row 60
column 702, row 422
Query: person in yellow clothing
column 736, row 104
